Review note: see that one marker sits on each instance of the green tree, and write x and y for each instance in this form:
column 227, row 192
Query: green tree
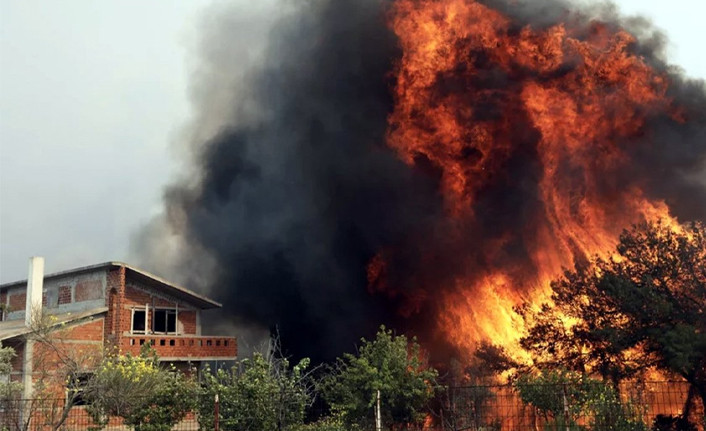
column 260, row 394
column 644, row 307
column 137, row 389
column 390, row 364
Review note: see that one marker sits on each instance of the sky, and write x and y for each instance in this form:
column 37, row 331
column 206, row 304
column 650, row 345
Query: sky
column 93, row 97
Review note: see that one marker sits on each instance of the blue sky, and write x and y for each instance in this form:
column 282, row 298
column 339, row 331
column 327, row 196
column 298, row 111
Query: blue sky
column 93, row 97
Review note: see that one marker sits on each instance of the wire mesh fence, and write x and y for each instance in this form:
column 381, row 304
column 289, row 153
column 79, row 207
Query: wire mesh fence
column 54, row 414
column 652, row 406
column 658, row 406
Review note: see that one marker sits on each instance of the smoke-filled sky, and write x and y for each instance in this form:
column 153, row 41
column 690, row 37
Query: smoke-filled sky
column 95, row 100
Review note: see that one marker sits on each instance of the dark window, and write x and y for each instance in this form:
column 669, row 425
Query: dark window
column 76, row 387
column 165, row 321
column 171, row 321
column 138, row 321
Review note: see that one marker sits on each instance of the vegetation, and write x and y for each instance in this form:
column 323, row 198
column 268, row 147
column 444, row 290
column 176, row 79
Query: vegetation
column 562, row 397
column 610, row 319
column 390, row 364
column 138, row 390
column 644, row 307
column 259, row 394
column 10, row 391
column 326, row 424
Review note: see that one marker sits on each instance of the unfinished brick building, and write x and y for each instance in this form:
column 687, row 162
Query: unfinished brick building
column 111, row 306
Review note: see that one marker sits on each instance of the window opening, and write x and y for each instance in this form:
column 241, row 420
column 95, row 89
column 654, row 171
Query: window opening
column 138, row 321
column 165, row 321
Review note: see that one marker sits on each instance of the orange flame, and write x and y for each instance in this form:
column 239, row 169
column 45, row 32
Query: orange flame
column 474, row 91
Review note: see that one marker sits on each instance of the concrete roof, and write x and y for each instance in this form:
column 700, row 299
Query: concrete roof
column 154, row 281
column 16, row 327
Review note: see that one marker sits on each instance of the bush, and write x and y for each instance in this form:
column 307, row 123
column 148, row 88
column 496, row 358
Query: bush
column 136, row 389
column 327, row 424
column 263, row 395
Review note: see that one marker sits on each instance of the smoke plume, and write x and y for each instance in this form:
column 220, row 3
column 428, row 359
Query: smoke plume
column 302, row 207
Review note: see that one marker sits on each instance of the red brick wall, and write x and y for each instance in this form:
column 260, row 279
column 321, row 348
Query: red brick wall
column 188, row 320
column 67, row 340
column 183, row 347
column 138, row 298
column 18, row 301
column 75, row 338
column 64, row 295
column 90, row 331
column 88, row 290
column 115, row 292
column 80, row 342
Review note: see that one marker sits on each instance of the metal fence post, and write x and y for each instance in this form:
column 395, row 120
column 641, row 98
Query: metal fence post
column 216, row 415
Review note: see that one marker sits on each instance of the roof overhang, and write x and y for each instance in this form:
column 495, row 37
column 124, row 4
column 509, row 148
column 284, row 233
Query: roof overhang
column 16, row 327
column 158, row 283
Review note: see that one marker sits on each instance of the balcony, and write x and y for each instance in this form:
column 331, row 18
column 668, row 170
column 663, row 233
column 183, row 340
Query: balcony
column 182, row 347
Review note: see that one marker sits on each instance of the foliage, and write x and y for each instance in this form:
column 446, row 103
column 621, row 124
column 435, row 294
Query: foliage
column 264, row 394
column 564, row 396
column 10, row 392
column 643, row 307
column 7, row 388
column 136, row 389
column 326, row 424
column 390, row 364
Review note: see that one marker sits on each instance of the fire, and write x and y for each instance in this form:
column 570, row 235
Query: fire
column 478, row 96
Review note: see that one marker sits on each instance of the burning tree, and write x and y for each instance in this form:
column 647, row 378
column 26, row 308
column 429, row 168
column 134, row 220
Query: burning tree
column 643, row 307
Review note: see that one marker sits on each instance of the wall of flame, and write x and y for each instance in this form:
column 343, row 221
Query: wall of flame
column 540, row 121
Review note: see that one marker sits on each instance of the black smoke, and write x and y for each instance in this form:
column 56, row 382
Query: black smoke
column 292, row 208
column 291, row 205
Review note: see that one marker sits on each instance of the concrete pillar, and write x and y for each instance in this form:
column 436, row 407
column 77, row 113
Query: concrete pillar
column 35, row 284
